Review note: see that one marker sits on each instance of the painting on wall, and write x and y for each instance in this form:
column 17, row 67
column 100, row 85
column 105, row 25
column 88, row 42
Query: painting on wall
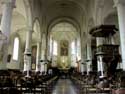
column 9, row 58
column 34, row 51
column 64, row 47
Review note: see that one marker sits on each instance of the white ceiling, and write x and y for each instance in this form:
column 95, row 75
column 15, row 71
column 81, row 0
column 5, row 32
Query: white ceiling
column 64, row 31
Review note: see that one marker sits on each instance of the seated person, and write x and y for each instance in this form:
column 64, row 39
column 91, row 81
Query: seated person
column 103, row 83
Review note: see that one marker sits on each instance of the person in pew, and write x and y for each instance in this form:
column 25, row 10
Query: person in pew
column 103, row 83
column 93, row 80
column 8, row 82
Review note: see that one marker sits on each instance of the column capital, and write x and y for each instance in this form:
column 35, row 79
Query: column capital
column 117, row 2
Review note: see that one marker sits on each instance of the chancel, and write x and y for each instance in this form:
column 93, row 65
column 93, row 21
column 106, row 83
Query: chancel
column 62, row 46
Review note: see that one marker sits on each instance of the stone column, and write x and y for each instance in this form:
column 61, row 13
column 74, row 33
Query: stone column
column 89, row 58
column 51, row 49
column 120, row 4
column 100, row 66
column 27, row 53
column 43, row 47
column 8, row 6
column 83, row 58
column 42, row 67
column 43, row 50
column 100, row 40
column 38, row 57
column 45, row 67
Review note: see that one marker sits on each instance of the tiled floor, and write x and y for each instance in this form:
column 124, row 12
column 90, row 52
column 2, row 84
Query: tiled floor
column 64, row 86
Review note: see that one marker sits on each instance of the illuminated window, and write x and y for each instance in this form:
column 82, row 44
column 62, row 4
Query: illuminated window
column 55, row 48
column 16, row 49
column 78, row 49
column 73, row 48
column 51, row 46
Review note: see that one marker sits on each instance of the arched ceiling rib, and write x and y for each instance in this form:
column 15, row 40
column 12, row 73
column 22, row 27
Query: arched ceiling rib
column 67, row 8
column 64, row 31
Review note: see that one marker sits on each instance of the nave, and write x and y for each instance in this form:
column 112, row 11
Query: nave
column 64, row 86
column 15, row 82
column 41, row 40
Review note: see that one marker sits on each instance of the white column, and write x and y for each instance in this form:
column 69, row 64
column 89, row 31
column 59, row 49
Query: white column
column 120, row 4
column 100, row 66
column 43, row 47
column 52, row 49
column 42, row 67
column 38, row 57
column 89, row 58
column 27, row 53
column 8, row 6
column 45, row 68
column 99, row 41
column 43, row 50
column 83, row 56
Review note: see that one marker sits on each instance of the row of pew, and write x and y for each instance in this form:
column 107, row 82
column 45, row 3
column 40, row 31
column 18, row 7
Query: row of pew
column 90, row 84
column 13, row 83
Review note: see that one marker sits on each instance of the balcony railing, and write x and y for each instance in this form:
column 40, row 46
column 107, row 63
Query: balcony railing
column 107, row 49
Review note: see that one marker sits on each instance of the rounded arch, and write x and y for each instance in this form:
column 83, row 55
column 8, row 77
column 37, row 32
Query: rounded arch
column 64, row 19
column 56, row 7
column 62, row 32
column 71, row 3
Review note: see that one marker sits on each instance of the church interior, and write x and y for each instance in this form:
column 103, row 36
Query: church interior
column 62, row 46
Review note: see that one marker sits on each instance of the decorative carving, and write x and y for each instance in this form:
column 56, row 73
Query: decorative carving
column 64, row 48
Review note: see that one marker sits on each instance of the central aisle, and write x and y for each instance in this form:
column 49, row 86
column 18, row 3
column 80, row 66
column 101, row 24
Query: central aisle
column 64, row 86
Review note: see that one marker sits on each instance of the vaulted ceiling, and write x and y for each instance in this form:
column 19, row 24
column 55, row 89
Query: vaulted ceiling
column 82, row 13
column 64, row 31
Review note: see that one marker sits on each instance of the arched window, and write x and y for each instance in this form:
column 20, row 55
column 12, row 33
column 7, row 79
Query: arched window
column 78, row 49
column 55, row 48
column 16, row 48
column 51, row 46
column 73, row 48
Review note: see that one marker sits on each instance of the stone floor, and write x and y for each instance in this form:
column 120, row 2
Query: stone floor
column 64, row 86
